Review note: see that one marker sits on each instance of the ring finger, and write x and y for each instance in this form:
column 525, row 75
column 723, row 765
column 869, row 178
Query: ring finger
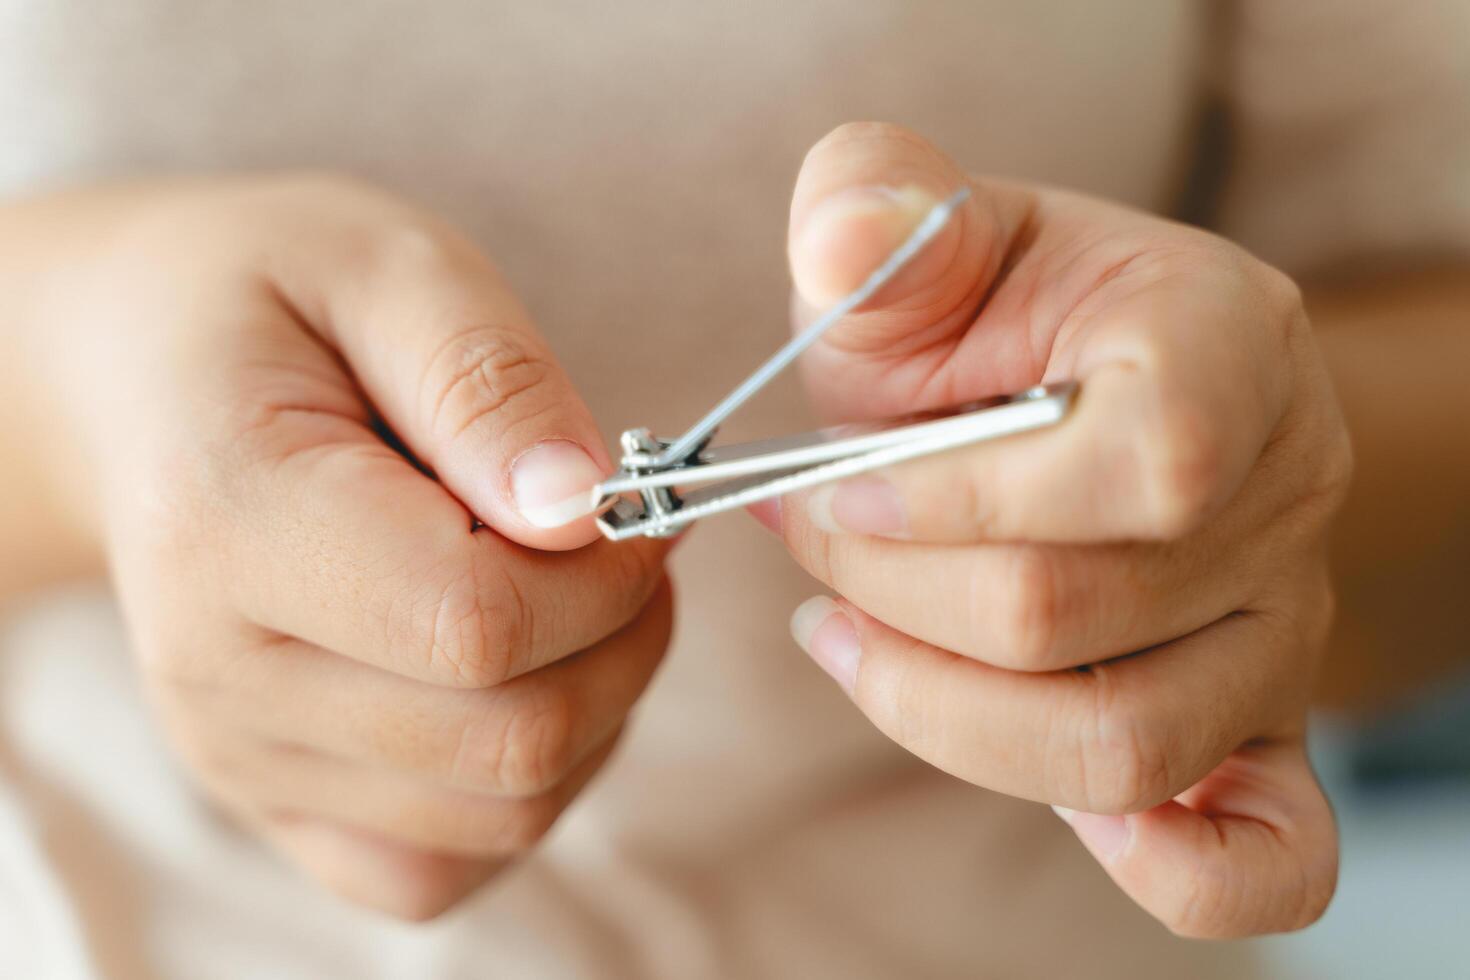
column 1119, row 737
column 520, row 738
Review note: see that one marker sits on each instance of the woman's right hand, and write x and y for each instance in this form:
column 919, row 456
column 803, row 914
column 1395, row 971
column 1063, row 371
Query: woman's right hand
column 398, row 670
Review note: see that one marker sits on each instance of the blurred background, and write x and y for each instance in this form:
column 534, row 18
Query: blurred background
column 1401, row 787
column 644, row 154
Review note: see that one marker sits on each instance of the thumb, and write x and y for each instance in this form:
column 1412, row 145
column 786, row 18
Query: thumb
column 1251, row 849
column 862, row 190
column 448, row 355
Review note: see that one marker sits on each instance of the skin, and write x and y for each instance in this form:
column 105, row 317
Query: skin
column 1170, row 537
column 160, row 342
column 400, row 699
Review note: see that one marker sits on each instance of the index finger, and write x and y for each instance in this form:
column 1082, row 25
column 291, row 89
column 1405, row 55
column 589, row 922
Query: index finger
column 448, row 355
column 1182, row 386
column 358, row 552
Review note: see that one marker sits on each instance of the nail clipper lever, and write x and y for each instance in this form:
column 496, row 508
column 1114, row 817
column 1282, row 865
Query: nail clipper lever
column 660, row 472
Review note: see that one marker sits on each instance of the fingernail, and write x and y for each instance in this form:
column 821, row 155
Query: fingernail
column 850, row 231
column 822, row 629
column 862, row 505
column 1104, row 834
column 768, row 512
column 899, row 208
column 552, row 483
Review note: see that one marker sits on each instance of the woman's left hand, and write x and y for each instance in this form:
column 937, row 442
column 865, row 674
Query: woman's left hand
column 1122, row 615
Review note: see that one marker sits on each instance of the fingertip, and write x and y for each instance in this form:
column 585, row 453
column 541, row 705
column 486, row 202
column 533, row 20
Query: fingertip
column 768, row 514
column 823, row 630
column 1105, row 835
column 551, row 485
column 1219, row 876
column 848, row 233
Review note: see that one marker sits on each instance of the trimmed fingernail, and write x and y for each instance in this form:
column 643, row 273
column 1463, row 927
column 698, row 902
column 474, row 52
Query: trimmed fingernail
column 1104, row 834
column 855, row 228
column 862, row 505
column 768, row 513
column 899, row 208
column 822, row 629
column 552, row 483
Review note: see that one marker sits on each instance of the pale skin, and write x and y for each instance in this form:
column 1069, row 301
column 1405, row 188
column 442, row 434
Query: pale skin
column 402, row 702
column 1170, row 537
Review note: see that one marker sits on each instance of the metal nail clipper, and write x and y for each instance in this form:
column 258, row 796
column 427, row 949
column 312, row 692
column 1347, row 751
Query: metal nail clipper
column 662, row 473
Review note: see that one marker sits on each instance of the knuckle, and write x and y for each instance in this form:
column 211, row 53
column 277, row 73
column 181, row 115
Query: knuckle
column 486, row 371
column 1030, row 614
column 471, row 637
column 534, row 750
column 409, row 248
column 1124, row 756
column 1182, row 462
column 1282, row 293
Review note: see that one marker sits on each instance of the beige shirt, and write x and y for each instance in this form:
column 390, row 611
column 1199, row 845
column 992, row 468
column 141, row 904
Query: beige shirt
column 629, row 166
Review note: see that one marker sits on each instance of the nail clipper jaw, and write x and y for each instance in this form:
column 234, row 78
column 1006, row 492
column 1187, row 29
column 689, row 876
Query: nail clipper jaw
column 645, row 455
column 717, row 480
column 641, row 450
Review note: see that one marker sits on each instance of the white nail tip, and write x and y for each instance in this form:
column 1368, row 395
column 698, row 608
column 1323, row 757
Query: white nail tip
column 810, row 615
column 819, row 508
column 562, row 512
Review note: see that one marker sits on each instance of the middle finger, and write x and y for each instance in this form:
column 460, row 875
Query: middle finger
column 520, row 738
column 1031, row 607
